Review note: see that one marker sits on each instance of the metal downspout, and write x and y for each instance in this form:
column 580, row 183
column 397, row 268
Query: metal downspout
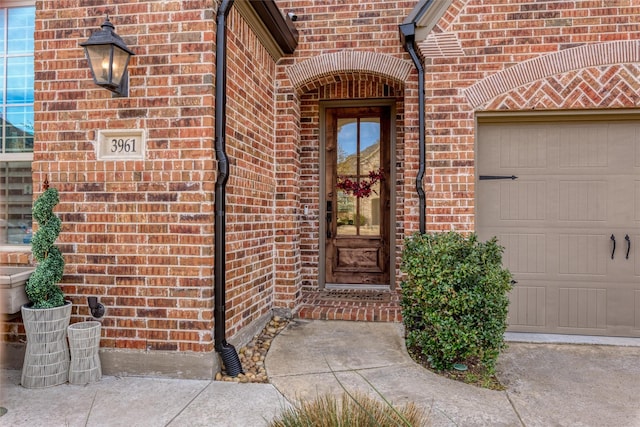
column 227, row 351
column 408, row 34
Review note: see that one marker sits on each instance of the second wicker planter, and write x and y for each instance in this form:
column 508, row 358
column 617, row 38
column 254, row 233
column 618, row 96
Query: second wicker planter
column 84, row 344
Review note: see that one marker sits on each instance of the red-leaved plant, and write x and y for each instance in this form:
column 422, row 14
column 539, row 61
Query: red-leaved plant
column 362, row 188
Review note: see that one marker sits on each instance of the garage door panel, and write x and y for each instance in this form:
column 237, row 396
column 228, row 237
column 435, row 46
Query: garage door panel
column 634, row 255
column 527, row 306
column 578, row 183
column 523, row 200
column 510, row 150
column 525, row 252
column 635, row 144
column 582, row 200
column 636, row 200
column 637, row 309
column 527, row 199
column 621, row 310
column 582, row 146
column 583, row 254
column 523, row 153
column 580, row 308
column 514, row 201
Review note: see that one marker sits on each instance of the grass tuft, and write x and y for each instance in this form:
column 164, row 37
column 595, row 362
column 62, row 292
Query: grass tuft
column 352, row 410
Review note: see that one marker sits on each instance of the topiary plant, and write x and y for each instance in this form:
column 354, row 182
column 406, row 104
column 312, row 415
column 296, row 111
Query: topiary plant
column 42, row 288
column 454, row 298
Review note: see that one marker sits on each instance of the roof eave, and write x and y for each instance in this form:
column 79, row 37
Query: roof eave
column 425, row 15
column 280, row 26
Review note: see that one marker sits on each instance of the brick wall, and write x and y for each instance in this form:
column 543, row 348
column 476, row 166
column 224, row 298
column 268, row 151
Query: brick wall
column 139, row 234
column 512, row 56
column 251, row 190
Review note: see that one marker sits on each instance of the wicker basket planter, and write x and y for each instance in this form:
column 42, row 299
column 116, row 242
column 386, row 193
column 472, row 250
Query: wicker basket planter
column 84, row 343
column 46, row 360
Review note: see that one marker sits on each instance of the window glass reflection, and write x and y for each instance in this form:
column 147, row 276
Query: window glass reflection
column 358, row 156
column 18, row 130
column 17, row 80
column 20, row 80
column 347, row 146
column 3, row 17
column 2, row 80
column 16, row 123
column 16, row 191
column 21, row 24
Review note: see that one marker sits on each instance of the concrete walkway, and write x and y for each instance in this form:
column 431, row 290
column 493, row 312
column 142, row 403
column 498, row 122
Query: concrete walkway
column 547, row 385
column 139, row 402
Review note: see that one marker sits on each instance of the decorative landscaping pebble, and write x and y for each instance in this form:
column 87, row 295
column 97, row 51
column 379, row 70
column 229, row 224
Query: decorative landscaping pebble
column 252, row 356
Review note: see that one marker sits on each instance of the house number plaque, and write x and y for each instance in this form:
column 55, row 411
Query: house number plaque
column 127, row 144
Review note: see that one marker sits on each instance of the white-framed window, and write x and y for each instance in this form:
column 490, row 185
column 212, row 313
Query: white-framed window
column 17, row 23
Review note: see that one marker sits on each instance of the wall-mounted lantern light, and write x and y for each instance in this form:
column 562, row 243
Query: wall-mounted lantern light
column 108, row 57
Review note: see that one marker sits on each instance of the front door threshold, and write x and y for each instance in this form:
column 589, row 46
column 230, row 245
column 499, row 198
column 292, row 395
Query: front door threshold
column 358, row 287
column 369, row 305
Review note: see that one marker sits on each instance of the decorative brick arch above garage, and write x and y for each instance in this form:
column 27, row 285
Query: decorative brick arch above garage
column 595, row 75
column 314, row 72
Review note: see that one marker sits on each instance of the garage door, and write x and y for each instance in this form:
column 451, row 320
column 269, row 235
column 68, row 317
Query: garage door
column 564, row 201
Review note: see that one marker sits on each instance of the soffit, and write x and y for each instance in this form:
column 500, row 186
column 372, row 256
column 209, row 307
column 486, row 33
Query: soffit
column 275, row 31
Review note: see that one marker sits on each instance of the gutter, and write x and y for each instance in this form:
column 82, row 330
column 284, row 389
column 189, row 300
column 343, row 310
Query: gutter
column 408, row 37
column 227, row 351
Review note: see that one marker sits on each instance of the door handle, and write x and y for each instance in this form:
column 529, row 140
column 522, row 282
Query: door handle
column 628, row 239
column 613, row 251
column 329, row 215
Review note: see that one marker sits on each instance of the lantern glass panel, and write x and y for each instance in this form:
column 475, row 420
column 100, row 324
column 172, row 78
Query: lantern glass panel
column 98, row 56
column 120, row 62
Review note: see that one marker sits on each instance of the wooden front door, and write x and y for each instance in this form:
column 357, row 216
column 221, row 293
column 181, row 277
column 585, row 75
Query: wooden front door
column 357, row 195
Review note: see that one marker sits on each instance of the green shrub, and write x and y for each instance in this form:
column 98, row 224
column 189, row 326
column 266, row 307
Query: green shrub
column 42, row 289
column 454, row 298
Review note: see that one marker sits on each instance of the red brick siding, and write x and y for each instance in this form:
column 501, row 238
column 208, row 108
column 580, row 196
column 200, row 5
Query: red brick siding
column 496, row 35
column 287, row 262
column 137, row 234
column 251, row 190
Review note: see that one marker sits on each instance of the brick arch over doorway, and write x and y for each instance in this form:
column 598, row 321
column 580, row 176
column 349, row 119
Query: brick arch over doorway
column 572, row 80
column 340, row 86
column 323, row 69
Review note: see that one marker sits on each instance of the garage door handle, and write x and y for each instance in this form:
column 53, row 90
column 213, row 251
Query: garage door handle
column 628, row 239
column 613, row 251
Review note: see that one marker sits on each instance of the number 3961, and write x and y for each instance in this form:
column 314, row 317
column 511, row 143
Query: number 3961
column 122, row 145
